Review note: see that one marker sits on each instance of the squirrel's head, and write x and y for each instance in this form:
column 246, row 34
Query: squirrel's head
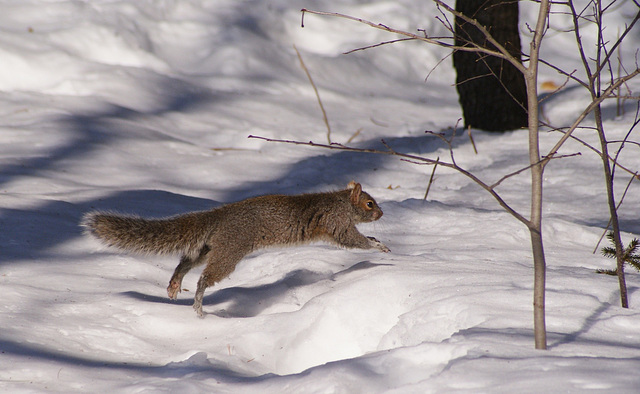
column 366, row 208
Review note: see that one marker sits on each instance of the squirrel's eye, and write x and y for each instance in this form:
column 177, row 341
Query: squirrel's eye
column 370, row 204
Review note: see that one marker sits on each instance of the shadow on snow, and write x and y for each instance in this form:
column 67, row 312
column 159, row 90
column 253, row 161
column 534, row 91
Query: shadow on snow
column 251, row 301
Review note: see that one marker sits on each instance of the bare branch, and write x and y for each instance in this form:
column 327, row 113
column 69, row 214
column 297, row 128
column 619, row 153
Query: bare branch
column 567, row 74
column 475, row 48
column 592, row 148
column 505, row 54
column 499, row 181
column 626, row 137
column 587, row 111
column 411, row 158
column 618, row 42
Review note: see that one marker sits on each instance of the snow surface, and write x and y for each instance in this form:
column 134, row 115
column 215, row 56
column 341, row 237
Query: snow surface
column 145, row 106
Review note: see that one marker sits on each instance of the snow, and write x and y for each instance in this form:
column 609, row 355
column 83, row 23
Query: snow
column 145, row 107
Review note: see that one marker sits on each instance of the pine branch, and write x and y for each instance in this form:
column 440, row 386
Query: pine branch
column 635, row 265
column 609, row 252
column 630, row 254
column 607, row 272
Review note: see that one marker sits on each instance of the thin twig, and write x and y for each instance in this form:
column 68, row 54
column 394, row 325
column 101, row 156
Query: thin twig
column 499, row 181
column 591, row 147
column 436, row 66
column 315, row 89
column 446, row 141
column 626, row 137
column 354, row 135
column 565, row 73
column 377, row 45
column 556, row 90
column 635, row 176
column 500, row 51
column 618, row 42
column 433, row 172
column 606, row 93
column 505, row 54
column 473, row 143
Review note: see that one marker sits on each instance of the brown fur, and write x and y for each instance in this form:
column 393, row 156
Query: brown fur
column 221, row 237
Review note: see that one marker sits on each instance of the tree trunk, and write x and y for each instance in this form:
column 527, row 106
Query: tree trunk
column 492, row 92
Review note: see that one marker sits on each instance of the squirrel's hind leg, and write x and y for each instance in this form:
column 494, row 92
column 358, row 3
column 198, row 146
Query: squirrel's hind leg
column 216, row 270
column 186, row 264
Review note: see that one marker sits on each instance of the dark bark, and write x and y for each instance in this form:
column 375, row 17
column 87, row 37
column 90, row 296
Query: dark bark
column 492, row 91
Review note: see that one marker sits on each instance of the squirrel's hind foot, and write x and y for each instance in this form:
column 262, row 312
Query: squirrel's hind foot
column 197, row 306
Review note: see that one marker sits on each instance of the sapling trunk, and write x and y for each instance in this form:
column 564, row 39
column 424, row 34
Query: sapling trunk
column 613, row 210
column 537, row 170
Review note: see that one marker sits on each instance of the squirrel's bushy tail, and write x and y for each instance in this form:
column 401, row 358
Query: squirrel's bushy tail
column 180, row 234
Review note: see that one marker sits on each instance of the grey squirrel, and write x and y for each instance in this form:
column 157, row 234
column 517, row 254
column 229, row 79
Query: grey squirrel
column 221, row 237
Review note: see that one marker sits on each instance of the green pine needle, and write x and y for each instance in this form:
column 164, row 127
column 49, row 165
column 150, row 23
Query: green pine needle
column 630, row 254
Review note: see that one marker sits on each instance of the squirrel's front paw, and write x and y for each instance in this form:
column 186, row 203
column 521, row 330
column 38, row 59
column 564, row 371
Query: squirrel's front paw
column 378, row 245
column 173, row 290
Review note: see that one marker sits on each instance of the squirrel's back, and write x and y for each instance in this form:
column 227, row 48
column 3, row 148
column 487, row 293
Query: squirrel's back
column 293, row 219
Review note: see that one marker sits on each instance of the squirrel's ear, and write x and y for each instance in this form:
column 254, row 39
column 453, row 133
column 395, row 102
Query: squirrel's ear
column 356, row 190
